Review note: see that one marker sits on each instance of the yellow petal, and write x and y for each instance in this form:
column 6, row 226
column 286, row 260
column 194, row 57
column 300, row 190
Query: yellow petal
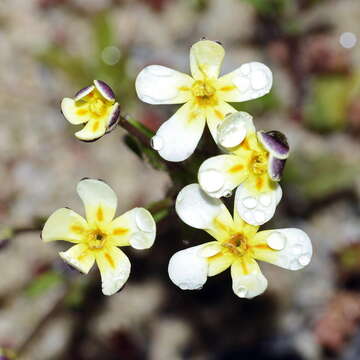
column 76, row 112
column 219, row 263
column 93, row 130
column 64, row 224
column 136, row 228
column 80, row 257
column 205, row 59
column 99, row 200
column 248, row 281
column 114, row 268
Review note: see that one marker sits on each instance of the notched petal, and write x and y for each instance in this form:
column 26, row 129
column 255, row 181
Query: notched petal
column 275, row 142
column 105, row 90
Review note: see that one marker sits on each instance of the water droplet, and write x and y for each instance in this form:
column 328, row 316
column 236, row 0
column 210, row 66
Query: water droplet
column 241, row 291
column 250, row 202
column 276, row 240
column 211, row 180
column 265, row 199
column 144, row 220
column 297, row 249
column 259, row 216
column 258, row 80
column 304, row 260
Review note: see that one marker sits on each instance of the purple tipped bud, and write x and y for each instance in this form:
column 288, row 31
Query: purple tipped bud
column 114, row 118
column 276, row 168
column 83, row 92
column 105, row 90
column 275, row 143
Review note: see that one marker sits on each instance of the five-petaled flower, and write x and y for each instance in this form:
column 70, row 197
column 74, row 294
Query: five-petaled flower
column 94, row 105
column 254, row 164
column 98, row 237
column 205, row 94
column 237, row 244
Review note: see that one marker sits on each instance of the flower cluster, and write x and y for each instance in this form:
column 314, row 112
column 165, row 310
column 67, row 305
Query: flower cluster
column 252, row 163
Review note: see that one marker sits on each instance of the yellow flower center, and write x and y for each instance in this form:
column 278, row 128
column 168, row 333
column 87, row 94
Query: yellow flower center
column 96, row 239
column 236, row 244
column 204, row 92
column 97, row 106
column 259, row 163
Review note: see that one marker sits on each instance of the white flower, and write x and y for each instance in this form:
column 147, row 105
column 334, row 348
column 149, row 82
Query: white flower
column 254, row 164
column 98, row 237
column 237, row 245
column 205, row 94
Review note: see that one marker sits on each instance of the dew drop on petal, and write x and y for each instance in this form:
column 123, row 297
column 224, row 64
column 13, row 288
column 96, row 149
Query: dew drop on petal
column 250, row 202
column 144, row 220
column 265, row 200
column 304, row 260
column 276, row 240
column 241, row 291
column 157, row 142
column 297, row 249
column 259, row 216
column 258, row 80
column 233, row 136
column 211, row 180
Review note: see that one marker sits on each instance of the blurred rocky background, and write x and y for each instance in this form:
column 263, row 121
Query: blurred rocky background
column 51, row 48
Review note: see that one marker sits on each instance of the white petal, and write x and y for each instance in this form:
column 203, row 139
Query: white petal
column 288, row 248
column 256, row 208
column 205, row 59
column 114, row 268
column 136, row 228
column 232, row 131
column 187, row 269
column 248, row 280
column 64, row 224
column 75, row 112
column 219, row 175
column 249, row 81
column 178, row 137
column 209, row 249
column 198, row 210
column 79, row 257
column 99, row 200
column 158, row 84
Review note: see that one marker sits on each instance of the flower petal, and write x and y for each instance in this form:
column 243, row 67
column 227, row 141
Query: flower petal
column 205, row 59
column 83, row 92
column 219, row 263
column 219, row 175
column 99, row 200
column 79, row 257
column 209, row 249
column 64, row 224
column 288, row 248
column 75, row 113
column 113, row 118
column 93, row 130
column 257, row 208
column 178, row 137
column 215, row 116
column 187, row 269
column 114, row 268
column 136, row 228
column 275, row 168
column 248, row 280
column 233, row 130
column 200, row 211
column 275, row 143
column 105, row 90
column 158, row 84
column 249, row 81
